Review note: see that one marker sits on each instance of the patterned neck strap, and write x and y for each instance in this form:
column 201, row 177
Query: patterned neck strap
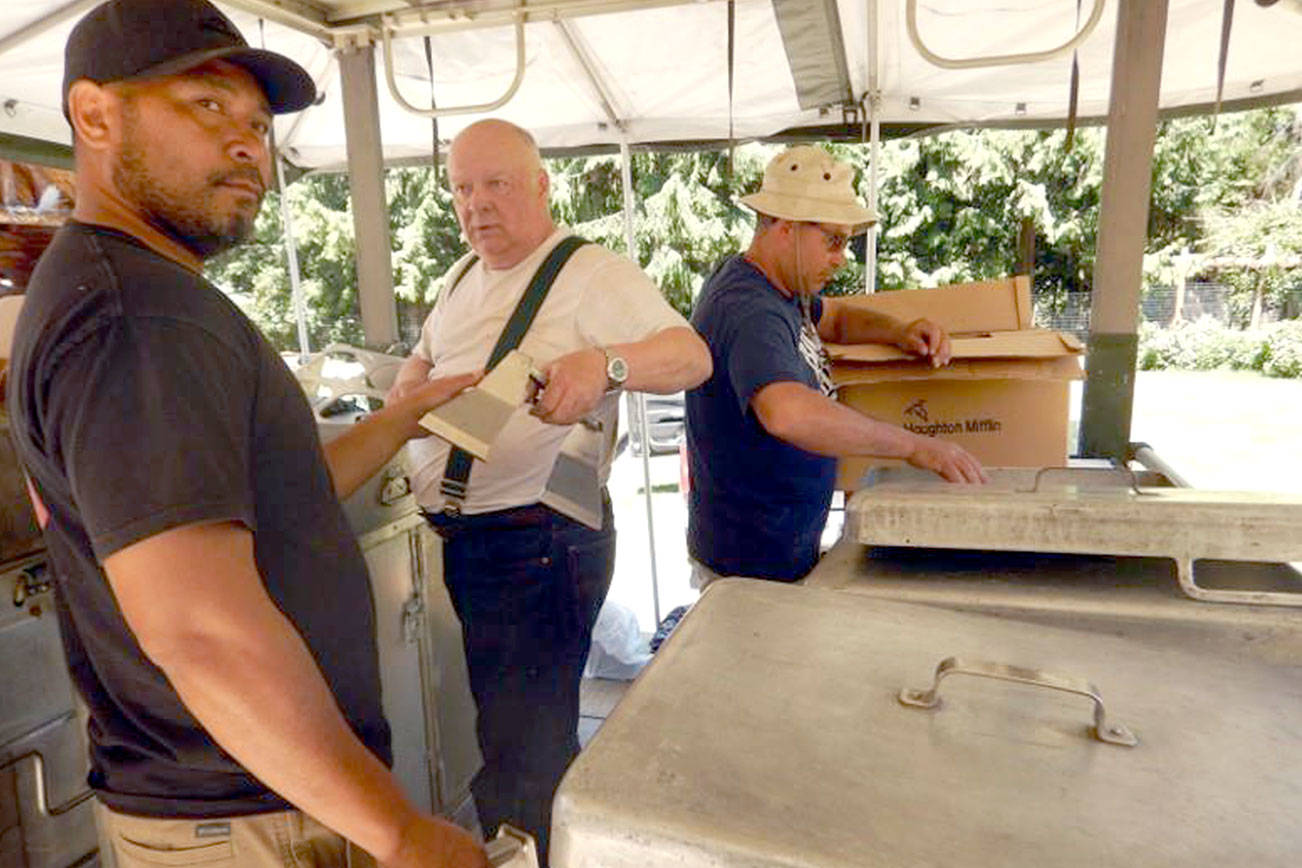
column 811, row 348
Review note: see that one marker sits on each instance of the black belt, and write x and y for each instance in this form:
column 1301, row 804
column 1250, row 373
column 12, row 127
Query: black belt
column 452, row 521
column 531, row 515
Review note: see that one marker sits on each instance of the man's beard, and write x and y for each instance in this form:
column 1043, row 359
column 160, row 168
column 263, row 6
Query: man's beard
column 189, row 216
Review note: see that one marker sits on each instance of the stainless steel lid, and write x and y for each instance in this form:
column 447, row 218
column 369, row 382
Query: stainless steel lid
column 769, row 732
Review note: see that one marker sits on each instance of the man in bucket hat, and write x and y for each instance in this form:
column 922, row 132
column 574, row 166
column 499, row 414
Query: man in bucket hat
column 764, row 432
column 215, row 606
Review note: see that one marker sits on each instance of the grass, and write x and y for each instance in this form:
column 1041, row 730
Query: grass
column 664, row 488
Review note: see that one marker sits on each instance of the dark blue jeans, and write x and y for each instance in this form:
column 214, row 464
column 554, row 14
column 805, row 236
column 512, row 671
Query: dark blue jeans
column 527, row 584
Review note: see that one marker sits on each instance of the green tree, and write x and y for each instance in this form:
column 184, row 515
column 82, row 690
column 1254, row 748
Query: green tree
column 1252, row 229
column 257, row 275
column 686, row 222
column 953, row 208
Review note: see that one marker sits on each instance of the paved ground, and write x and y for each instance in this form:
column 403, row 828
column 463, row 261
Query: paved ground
column 1221, row 430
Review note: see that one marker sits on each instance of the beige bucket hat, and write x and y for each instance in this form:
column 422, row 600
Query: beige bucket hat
column 809, row 185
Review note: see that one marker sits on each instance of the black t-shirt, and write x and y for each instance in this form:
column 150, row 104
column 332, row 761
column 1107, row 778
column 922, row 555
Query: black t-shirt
column 142, row 399
column 758, row 504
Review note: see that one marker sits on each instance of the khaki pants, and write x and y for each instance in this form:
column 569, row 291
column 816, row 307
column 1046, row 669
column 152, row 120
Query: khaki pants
column 284, row 839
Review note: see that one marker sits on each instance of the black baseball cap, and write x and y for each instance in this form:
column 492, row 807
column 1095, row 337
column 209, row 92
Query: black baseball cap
column 125, row 39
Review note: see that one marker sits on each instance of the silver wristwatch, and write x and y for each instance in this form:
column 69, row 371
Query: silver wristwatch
column 616, row 370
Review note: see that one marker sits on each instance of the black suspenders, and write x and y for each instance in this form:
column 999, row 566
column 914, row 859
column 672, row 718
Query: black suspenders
column 456, row 474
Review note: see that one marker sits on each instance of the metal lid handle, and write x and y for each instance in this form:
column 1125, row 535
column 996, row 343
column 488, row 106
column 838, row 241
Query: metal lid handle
column 1120, row 469
column 1112, row 733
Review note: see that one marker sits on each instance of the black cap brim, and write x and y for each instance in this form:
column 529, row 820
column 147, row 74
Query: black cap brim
column 287, row 86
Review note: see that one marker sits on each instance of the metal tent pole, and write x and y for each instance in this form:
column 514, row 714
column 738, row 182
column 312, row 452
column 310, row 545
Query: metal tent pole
column 874, row 160
column 636, row 400
column 46, row 22
column 1123, row 229
column 626, row 175
column 875, row 144
column 291, row 256
column 366, row 183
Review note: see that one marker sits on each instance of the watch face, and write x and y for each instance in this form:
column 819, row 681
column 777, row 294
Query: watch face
column 617, row 370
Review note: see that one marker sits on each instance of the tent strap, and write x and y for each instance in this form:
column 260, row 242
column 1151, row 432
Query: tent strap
column 732, row 45
column 1073, row 95
column 1227, row 21
column 434, row 118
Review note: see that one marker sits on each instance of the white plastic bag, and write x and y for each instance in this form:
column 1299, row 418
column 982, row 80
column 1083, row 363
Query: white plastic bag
column 618, row 649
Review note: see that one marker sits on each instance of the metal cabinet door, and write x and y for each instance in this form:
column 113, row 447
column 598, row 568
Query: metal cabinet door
column 422, row 668
column 46, row 816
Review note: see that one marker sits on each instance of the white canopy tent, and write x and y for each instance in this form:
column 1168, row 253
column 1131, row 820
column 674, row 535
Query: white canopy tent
column 604, row 72
column 584, row 74
column 620, row 73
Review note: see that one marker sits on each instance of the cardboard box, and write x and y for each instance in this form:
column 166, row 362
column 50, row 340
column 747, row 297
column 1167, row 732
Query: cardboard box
column 1004, row 396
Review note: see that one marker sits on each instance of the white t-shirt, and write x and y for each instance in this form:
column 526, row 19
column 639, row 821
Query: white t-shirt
column 599, row 299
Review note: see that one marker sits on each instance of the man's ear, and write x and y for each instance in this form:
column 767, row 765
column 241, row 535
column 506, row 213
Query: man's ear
column 89, row 108
column 544, row 184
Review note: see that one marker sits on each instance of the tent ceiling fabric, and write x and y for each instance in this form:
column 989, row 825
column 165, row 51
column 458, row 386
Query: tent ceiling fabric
column 663, row 66
column 811, row 33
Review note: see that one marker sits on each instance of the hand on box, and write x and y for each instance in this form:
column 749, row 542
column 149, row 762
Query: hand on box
column 927, row 339
column 948, row 460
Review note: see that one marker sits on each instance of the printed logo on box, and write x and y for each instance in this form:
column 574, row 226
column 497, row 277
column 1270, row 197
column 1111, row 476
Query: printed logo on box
column 918, row 420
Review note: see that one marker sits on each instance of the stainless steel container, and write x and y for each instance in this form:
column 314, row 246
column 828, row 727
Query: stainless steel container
column 46, row 814
column 770, row 731
column 1086, row 510
column 426, row 690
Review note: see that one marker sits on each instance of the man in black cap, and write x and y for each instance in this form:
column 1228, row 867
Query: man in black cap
column 215, row 607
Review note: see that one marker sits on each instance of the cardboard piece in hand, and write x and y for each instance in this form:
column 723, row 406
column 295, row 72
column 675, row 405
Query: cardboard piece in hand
column 574, row 490
column 574, row 487
column 474, row 418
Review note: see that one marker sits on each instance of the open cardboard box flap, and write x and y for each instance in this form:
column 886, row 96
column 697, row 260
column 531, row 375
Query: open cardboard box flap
column 1064, row 367
column 1002, row 305
column 990, row 333
column 1022, row 344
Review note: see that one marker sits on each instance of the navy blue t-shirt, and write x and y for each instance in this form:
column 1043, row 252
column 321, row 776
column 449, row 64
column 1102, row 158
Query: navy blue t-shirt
column 758, row 504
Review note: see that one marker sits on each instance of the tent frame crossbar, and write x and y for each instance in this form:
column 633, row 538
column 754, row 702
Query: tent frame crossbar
column 390, row 77
column 429, row 18
column 911, row 20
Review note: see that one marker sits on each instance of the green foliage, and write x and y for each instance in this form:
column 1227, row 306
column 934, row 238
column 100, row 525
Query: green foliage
column 1257, row 250
column 1283, row 357
column 1207, row 345
column 953, row 208
column 257, row 273
column 424, row 236
column 686, row 224
column 1239, row 191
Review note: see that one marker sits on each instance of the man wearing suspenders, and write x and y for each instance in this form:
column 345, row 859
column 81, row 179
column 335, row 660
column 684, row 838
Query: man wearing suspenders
column 526, row 581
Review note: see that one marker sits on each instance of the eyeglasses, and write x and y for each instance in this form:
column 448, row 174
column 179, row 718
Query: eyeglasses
column 835, row 241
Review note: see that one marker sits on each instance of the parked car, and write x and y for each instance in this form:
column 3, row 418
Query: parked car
column 666, row 423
